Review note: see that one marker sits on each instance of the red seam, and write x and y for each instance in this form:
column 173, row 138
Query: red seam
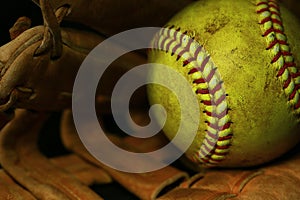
column 207, row 103
column 193, row 70
column 220, row 153
column 185, row 62
column 296, row 88
column 202, row 91
column 273, row 4
column 201, row 68
column 295, row 75
column 204, row 160
column 213, row 126
column 223, row 147
column 275, row 13
column 226, row 126
column 178, row 45
column 267, row 32
column 297, row 105
column 211, row 74
column 199, row 80
column 203, row 64
column 219, row 116
column 171, row 41
column 261, row 3
column 206, row 148
column 164, row 40
column 222, row 98
column 270, row 19
column 228, row 137
column 215, row 160
column 285, row 66
column 262, row 10
column 186, row 48
column 287, row 82
column 216, row 89
column 272, row 44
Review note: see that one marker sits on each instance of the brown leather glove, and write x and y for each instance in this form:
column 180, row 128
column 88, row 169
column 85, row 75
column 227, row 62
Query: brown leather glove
column 277, row 180
column 83, row 171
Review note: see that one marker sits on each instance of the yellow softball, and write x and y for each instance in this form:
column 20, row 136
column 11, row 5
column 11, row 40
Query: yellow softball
column 242, row 59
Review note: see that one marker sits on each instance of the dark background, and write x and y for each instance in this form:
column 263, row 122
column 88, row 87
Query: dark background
column 11, row 10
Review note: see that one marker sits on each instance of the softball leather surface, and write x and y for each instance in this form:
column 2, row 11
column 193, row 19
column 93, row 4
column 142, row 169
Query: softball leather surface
column 241, row 58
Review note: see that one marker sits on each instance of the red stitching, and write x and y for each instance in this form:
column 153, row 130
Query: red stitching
column 172, row 41
column 178, row 45
column 202, row 91
column 217, row 127
column 198, row 81
column 262, row 3
column 203, row 64
column 268, row 19
column 297, row 105
column 207, row 103
column 213, row 126
column 185, row 62
column 220, row 153
column 222, row 98
column 226, row 126
column 191, row 59
column 223, row 147
column 294, row 75
column 274, row 6
column 216, row 89
column 275, row 13
column 211, row 135
column 193, row 70
column 215, row 160
column 281, row 42
column 276, row 57
column 297, row 87
column 270, row 31
column 164, row 40
column 207, row 113
column 262, row 10
column 274, row 9
column 211, row 75
column 285, row 66
column 220, row 116
column 204, row 160
column 287, row 83
column 186, row 48
column 206, row 147
column 225, row 138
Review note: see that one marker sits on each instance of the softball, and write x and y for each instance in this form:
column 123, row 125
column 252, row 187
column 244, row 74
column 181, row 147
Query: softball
column 241, row 58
